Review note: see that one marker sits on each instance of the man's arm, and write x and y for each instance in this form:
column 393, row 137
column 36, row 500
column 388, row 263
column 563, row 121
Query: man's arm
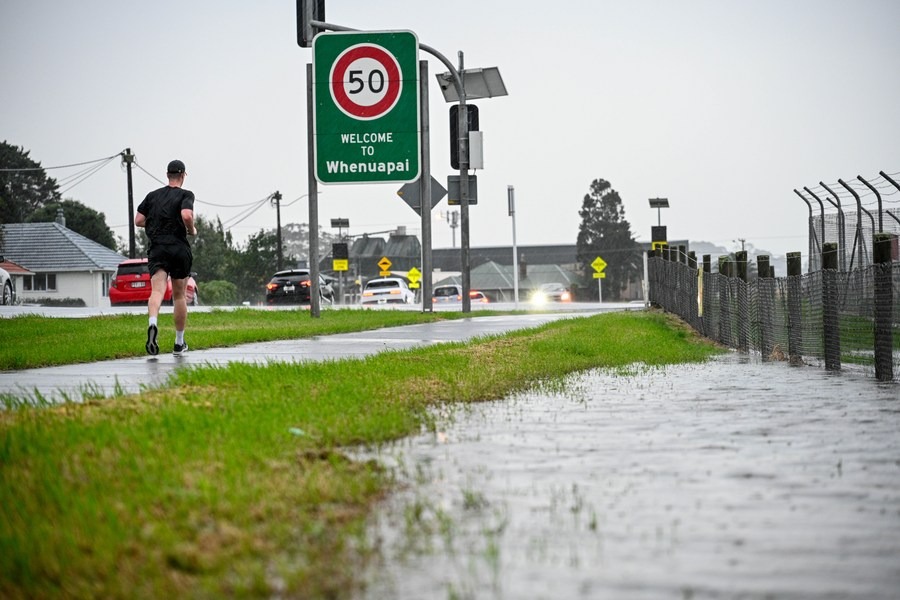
column 187, row 215
column 139, row 220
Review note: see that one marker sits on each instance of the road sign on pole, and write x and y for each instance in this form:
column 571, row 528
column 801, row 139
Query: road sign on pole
column 366, row 107
column 414, row 275
column 385, row 265
column 412, row 195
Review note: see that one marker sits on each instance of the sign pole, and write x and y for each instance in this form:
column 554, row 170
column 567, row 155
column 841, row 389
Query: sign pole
column 464, row 193
column 314, row 306
column 511, row 198
column 425, row 186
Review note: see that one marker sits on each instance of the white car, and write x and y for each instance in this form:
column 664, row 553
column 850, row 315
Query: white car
column 388, row 290
column 7, row 288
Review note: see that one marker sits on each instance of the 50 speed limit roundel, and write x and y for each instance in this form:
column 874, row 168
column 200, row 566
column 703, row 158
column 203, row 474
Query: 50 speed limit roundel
column 366, row 81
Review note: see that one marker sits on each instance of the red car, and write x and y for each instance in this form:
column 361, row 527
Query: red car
column 131, row 285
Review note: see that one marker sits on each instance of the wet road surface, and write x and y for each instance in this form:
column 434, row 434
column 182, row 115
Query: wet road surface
column 732, row 479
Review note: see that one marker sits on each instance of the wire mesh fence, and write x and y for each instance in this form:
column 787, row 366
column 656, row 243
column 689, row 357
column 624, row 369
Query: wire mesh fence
column 831, row 318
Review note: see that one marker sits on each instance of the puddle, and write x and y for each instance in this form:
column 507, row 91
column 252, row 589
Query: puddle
column 728, row 479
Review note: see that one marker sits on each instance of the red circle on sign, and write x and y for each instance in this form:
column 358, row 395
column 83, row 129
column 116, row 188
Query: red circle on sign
column 339, row 76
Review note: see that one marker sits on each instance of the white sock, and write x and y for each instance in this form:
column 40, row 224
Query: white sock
column 153, row 320
column 179, row 337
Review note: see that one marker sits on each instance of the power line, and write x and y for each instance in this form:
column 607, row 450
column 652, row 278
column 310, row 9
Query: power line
column 90, row 172
column 233, row 205
column 87, row 162
column 244, row 214
column 151, row 175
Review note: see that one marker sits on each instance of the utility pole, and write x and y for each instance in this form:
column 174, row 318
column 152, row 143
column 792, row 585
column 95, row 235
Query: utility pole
column 276, row 200
column 128, row 159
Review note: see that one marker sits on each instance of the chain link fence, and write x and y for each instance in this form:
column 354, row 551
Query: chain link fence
column 832, row 318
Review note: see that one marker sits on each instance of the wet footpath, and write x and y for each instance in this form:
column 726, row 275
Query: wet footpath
column 111, row 377
column 730, row 479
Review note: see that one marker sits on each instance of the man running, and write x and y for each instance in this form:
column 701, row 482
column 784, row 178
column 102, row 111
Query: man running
column 167, row 214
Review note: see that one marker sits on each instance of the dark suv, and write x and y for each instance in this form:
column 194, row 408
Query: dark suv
column 293, row 287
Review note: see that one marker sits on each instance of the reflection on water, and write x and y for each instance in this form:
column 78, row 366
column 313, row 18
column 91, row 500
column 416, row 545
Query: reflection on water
column 728, row 479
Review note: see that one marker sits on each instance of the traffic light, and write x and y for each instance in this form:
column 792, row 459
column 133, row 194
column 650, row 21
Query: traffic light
column 472, row 114
column 307, row 11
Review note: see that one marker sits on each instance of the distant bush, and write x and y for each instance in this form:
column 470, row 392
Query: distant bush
column 218, row 293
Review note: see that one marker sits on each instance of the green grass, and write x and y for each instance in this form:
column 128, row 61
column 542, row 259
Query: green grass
column 35, row 341
column 230, row 481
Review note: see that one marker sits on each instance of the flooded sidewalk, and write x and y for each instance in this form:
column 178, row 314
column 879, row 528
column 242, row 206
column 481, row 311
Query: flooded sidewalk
column 730, row 479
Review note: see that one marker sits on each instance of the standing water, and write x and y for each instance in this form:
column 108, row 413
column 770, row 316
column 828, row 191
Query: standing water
column 729, row 479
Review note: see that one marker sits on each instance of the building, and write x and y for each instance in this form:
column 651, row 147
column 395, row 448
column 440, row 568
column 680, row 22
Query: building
column 61, row 266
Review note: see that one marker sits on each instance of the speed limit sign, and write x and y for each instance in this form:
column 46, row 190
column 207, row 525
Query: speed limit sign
column 366, row 107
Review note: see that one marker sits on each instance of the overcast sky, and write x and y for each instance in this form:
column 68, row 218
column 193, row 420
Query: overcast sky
column 724, row 107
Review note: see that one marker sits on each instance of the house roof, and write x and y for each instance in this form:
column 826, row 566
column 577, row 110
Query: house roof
column 14, row 269
column 42, row 247
column 448, row 259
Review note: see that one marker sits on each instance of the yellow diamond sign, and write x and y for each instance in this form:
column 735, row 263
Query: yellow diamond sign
column 414, row 275
column 385, row 265
column 599, row 264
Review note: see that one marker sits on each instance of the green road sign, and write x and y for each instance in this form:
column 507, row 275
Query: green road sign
column 366, row 106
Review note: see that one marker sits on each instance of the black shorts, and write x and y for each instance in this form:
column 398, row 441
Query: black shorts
column 174, row 259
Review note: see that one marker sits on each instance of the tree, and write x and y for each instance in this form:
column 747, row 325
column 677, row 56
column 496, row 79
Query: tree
column 604, row 232
column 295, row 242
column 251, row 267
column 79, row 218
column 24, row 185
column 211, row 248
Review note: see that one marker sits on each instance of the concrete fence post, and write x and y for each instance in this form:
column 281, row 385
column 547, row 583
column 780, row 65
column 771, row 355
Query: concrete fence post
column 724, row 304
column 765, row 307
column 794, row 291
column 743, row 308
column 884, row 300
column 831, row 332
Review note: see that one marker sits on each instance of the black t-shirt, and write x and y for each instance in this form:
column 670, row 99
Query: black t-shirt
column 162, row 208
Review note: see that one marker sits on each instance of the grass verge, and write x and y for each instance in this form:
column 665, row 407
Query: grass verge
column 34, row 341
column 231, row 482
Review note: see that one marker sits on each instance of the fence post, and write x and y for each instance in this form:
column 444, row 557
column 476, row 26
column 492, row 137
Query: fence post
column 705, row 295
column 795, row 325
column 884, row 300
column 765, row 303
column 743, row 309
column 724, row 305
column 830, row 307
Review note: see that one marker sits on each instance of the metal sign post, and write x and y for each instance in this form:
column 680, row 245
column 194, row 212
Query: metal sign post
column 511, row 198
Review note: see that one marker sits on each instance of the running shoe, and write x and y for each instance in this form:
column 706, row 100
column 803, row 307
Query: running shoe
column 180, row 349
column 152, row 346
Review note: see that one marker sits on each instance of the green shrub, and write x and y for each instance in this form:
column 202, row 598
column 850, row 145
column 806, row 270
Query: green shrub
column 218, row 293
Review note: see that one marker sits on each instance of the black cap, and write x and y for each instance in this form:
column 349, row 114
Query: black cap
column 176, row 167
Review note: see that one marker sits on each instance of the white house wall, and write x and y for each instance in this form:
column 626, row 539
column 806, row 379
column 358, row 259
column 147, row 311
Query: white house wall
column 86, row 286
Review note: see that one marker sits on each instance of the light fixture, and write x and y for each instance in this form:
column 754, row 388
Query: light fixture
column 478, row 83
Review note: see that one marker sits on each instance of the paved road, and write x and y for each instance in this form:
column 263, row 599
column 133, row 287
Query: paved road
column 133, row 374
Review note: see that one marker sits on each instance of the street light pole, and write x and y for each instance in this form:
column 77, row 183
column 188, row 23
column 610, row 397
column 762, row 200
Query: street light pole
column 464, row 191
column 511, row 198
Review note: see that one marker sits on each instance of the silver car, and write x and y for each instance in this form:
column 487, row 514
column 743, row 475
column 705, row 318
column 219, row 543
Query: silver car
column 388, row 290
column 7, row 287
